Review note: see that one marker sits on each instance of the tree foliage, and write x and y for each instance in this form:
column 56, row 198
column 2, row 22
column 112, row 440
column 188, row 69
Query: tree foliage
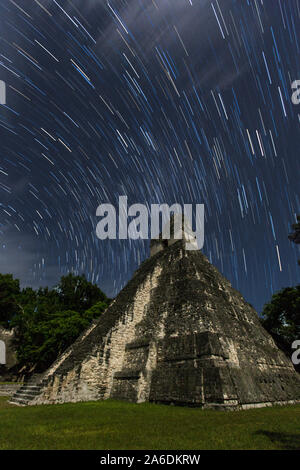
column 96, row 310
column 76, row 293
column 41, row 342
column 9, row 296
column 281, row 318
column 50, row 320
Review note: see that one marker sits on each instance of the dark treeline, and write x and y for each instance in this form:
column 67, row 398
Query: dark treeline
column 281, row 318
column 46, row 321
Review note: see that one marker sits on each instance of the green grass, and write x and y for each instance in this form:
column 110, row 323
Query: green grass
column 10, row 383
column 111, row 425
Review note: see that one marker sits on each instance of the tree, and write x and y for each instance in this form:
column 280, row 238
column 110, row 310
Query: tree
column 281, row 318
column 295, row 236
column 76, row 293
column 45, row 340
column 96, row 310
column 9, row 293
column 50, row 320
column 36, row 307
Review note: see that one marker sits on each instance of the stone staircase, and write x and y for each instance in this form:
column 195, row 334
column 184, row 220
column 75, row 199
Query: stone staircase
column 8, row 389
column 28, row 391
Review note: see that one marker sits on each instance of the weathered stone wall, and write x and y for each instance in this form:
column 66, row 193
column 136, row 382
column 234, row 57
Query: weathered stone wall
column 177, row 333
column 87, row 368
column 7, row 337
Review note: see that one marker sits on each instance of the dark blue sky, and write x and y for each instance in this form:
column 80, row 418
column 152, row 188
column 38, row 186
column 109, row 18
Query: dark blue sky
column 184, row 101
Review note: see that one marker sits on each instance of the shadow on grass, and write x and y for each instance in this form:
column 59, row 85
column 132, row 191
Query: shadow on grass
column 283, row 440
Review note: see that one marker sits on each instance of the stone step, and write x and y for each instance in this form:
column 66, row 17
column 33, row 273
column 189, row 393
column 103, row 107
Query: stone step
column 33, row 389
column 7, row 390
column 18, row 401
column 26, row 392
column 28, row 396
column 29, row 389
column 32, row 386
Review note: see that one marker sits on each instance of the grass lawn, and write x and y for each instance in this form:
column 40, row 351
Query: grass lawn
column 111, row 425
column 10, row 383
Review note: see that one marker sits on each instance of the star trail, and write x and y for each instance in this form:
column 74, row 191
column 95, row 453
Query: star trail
column 163, row 101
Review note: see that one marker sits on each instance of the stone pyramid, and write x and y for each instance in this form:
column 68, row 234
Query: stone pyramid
column 177, row 333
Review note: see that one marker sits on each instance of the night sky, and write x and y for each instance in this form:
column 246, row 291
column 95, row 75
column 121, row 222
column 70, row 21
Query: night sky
column 164, row 101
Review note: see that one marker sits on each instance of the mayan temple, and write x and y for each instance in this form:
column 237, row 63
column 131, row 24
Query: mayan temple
column 178, row 333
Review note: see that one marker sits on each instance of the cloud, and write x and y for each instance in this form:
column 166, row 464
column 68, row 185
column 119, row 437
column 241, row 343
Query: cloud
column 25, row 257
